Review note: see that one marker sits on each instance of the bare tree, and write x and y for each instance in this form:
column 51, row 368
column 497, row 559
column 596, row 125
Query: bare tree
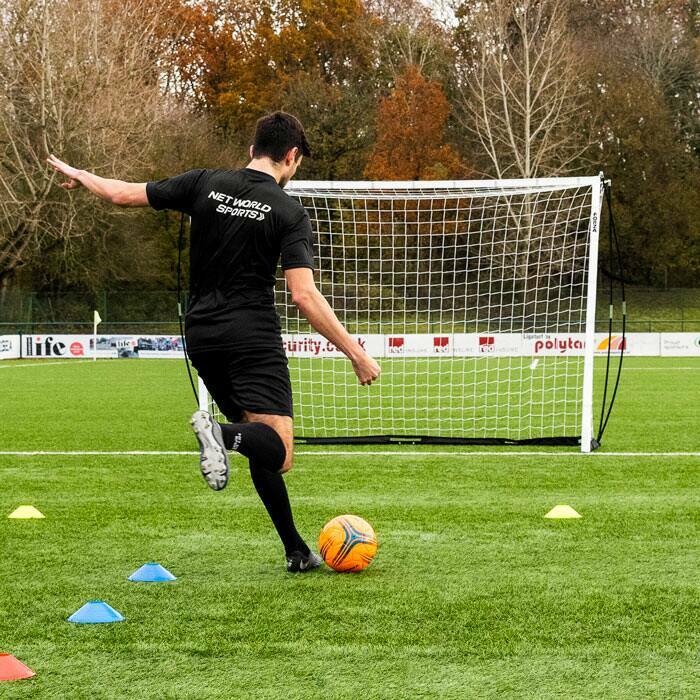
column 408, row 33
column 659, row 47
column 78, row 77
column 522, row 96
column 521, row 91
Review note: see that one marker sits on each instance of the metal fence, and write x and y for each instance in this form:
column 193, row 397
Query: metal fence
column 132, row 312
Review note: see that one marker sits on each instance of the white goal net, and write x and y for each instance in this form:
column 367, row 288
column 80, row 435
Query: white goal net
column 476, row 297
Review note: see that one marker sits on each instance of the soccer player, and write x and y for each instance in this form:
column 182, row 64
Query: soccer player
column 242, row 224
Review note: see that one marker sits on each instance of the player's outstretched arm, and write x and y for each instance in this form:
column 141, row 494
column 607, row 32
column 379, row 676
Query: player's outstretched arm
column 317, row 310
column 123, row 194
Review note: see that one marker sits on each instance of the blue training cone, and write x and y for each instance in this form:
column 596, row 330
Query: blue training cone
column 152, row 573
column 96, row 611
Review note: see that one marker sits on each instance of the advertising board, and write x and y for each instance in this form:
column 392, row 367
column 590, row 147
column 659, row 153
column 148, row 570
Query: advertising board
column 9, row 347
column 308, row 345
column 680, row 344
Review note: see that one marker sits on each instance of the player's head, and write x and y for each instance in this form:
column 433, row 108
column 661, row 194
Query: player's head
column 280, row 137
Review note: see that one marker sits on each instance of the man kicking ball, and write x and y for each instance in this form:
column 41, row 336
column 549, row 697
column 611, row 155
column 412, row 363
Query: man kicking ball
column 242, row 225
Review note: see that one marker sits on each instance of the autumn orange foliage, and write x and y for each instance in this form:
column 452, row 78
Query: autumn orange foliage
column 237, row 59
column 411, row 131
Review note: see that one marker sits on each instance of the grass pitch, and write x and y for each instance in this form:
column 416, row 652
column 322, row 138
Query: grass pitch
column 473, row 594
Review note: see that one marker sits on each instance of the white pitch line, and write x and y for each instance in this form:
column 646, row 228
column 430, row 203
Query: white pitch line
column 374, row 453
column 75, row 453
column 508, row 453
column 649, row 369
column 43, row 364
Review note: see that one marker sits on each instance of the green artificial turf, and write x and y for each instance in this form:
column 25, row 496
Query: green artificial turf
column 473, row 593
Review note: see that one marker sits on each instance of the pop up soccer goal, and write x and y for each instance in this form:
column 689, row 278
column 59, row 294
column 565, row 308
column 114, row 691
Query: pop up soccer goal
column 477, row 298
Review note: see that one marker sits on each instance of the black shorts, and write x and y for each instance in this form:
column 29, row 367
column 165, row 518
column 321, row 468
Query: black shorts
column 255, row 380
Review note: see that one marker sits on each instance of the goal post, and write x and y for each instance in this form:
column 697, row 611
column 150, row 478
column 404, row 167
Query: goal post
column 476, row 297
column 587, row 440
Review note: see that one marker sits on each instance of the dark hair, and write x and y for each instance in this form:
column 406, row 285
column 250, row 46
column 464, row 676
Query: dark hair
column 276, row 134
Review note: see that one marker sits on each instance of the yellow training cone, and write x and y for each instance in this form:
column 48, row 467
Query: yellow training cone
column 562, row 512
column 26, row 512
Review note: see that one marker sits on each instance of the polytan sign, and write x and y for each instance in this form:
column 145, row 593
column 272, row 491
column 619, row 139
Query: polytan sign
column 680, row 344
column 574, row 344
column 487, row 344
column 9, row 347
column 314, row 345
column 553, row 344
column 76, row 346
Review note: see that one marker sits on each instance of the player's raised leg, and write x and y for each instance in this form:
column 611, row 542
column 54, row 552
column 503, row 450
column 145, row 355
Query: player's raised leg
column 257, row 437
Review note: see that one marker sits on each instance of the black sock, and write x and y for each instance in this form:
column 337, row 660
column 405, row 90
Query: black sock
column 255, row 441
column 273, row 493
column 266, row 454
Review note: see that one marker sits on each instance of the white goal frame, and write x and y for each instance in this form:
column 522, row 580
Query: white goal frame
column 383, row 190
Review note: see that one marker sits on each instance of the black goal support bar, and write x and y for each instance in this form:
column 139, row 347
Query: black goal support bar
column 434, row 440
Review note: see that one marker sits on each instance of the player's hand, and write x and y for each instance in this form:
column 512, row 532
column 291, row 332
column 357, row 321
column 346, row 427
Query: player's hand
column 366, row 369
column 69, row 171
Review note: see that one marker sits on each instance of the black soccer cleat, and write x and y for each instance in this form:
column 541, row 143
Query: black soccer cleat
column 298, row 563
column 213, row 458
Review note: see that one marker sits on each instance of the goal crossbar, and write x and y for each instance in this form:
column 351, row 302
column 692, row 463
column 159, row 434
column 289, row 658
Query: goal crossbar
column 553, row 183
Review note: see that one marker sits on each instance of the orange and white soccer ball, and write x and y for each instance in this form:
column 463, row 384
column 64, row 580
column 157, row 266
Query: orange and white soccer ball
column 347, row 543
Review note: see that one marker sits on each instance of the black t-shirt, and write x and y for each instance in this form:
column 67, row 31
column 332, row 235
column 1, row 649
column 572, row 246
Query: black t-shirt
column 242, row 224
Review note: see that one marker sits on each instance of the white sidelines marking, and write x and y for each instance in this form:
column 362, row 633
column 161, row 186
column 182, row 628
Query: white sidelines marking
column 374, row 453
column 649, row 369
column 77, row 453
column 36, row 363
